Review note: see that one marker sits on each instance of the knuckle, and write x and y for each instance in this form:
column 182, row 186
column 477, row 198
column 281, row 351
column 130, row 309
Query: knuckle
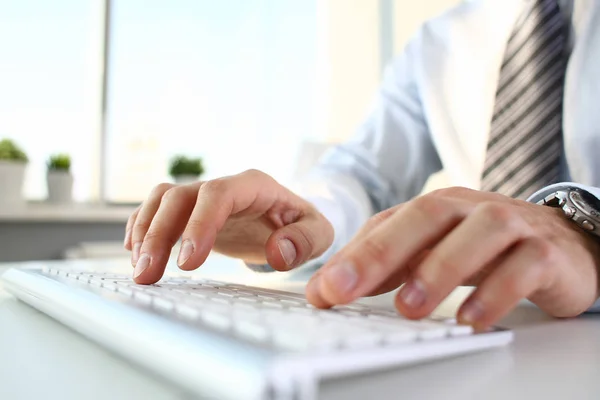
column 157, row 237
column 374, row 254
column 454, row 191
column 160, row 189
column 543, row 251
column 214, row 187
column 515, row 286
column 305, row 237
column 380, row 217
column 501, row 215
column 431, row 206
column 141, row 224
column 253, row 173
column 448, row 267
column 173, row 193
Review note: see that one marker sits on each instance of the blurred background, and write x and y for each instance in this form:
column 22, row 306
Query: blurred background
column 121, row 87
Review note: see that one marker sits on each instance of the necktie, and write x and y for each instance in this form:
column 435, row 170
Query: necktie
column 525, row 143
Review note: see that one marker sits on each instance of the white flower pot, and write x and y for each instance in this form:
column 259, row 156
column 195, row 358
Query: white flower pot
column 60, row 187
column 186, row 179
column 12, row 176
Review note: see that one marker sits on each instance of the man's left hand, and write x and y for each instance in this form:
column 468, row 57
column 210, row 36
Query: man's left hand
column 510, row 249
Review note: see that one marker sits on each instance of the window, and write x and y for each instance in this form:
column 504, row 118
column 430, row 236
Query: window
column 232, row 81
column 48, row 84
column 240, row 83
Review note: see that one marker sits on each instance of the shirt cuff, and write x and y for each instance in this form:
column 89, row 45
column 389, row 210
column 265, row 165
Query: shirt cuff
column 542, row 193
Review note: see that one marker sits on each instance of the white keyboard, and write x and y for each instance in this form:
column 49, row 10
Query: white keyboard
column 279, row 325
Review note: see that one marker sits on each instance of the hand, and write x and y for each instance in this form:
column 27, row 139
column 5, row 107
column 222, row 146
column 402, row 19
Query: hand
column 248, row 216
column 509, row 249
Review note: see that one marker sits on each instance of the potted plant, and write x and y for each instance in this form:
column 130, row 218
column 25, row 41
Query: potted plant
column 59, row 179
column 186, row 170
column 13, row 162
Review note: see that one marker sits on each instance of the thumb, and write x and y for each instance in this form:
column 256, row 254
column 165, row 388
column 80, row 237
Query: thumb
column 299, row 242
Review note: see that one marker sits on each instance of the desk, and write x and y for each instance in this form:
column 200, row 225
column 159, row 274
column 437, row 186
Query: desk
column 54, row 228
column 550, row 359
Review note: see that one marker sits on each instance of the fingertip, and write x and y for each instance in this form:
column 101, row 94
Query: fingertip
column 274, row 250
column 312, row 293
column 408, row 312
column 143, row 271
column 339, row 282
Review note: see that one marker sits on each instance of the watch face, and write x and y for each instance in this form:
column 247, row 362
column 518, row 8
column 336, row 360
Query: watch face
column 585, row 200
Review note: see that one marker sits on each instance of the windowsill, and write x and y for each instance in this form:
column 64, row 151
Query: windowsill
column 73, row 213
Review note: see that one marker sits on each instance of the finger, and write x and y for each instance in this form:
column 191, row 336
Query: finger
column 313, row 292
column 400, row 276
column 298, row 242
column 526, row 270
column 246, row 193
column 165, row 229
column 312, row 287
column 365, row 264
column 374, row 222
column 144, row 218
column 128, row 227
column 479, row 239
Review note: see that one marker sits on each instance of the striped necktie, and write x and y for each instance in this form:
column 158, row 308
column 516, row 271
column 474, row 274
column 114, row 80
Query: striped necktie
column 525, row 143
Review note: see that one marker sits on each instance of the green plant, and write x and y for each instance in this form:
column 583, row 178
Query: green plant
column 59, row 162
column 11, row 152
column 182, row 165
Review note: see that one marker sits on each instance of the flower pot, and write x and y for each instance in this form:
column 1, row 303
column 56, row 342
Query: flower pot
column 60, row 187
column 185, row 179
column 12, row 176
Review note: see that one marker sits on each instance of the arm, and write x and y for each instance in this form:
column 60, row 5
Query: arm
column 387, row 162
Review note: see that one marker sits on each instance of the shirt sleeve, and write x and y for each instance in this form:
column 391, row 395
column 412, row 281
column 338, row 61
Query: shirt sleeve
column 387, row 162
column 542, row 193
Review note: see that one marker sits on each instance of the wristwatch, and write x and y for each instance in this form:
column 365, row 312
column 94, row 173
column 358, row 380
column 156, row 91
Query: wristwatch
column 578, row 205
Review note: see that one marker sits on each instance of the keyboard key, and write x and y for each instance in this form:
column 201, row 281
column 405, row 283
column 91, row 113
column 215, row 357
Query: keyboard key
column 163, row 304
column 109, row 286
column 216, row 320
column 142, row 297
column 273, row 304
column 247, row 299
column 252, row 330
column 125, row 290
column 358, row 339
column 297, row 340
column 187, row 312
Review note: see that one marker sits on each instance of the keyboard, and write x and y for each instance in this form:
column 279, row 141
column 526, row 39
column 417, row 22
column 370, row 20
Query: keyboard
column 204, row 334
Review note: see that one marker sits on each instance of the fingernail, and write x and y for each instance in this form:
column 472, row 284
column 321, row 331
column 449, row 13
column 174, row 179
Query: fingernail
column 413, row 294
column 142, row 264
column 342, row 276
column 288, row 251
column 471, row 312
column 127, row 237
column 135, row 253
column 186, row 251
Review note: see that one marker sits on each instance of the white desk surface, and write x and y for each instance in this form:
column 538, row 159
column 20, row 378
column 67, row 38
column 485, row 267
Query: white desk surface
column 550, row 359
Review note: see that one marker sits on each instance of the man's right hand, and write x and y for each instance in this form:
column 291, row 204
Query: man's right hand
column 248, row 216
